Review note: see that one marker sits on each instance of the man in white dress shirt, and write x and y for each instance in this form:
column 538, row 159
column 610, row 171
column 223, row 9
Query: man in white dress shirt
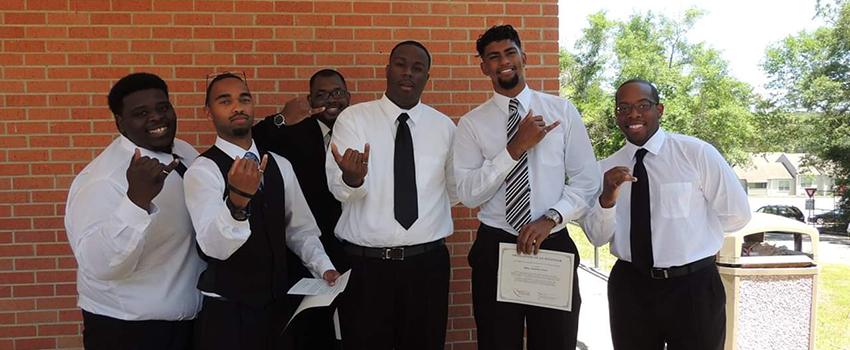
column 129, row 229
column 524, row 158
column 394, row 180
column 665, row 203
column 246, row 212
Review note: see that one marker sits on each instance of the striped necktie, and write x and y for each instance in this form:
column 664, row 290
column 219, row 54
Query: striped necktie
column 517, row 190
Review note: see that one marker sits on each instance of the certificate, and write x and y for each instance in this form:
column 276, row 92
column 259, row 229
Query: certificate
column 544, row 280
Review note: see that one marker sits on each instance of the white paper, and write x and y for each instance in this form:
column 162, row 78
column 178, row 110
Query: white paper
column 317, row 292
column 544, row 280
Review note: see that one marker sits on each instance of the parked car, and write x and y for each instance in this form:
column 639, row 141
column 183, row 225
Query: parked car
column 831, row 217
column 788, row 211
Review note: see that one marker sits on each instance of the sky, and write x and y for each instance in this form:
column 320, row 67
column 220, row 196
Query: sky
column 740, row 29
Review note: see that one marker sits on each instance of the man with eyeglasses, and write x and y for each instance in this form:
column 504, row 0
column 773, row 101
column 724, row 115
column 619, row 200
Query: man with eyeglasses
column 247, row 209
column 665, row 203
column 301, row 133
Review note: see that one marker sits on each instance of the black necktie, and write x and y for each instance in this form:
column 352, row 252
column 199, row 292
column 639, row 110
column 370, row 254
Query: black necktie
column 641, row 230
column 404, row 169
column 181, row 168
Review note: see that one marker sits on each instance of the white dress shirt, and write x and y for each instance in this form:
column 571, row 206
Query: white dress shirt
column 326, row 134
column 562, row 169
column 220, row 235
column 133, row 265
column 694, row 197
column 368, row 217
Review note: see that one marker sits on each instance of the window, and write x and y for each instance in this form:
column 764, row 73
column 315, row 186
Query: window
column 783, row 185
column 757, row 185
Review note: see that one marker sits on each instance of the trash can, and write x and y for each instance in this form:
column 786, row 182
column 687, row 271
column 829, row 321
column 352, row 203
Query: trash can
column 770, row 283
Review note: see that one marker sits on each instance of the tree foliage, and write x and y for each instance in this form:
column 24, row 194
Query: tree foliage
column 810, row 73
column 701, row 98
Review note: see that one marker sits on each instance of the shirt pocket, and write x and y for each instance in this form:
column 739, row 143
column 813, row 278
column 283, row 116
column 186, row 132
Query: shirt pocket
column 551, row 149
column 675, row 199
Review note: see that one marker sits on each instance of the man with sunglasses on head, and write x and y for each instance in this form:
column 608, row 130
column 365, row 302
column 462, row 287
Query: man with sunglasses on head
column 390, row 166
column 247, row 209
column 301, row 133
column 129, row 229
column 665, row 203
column 524, row 158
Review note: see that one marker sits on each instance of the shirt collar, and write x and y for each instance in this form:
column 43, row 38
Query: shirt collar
column 233, row 150
column 653, row 145
column 503, row 101
column 325, row 129
column 128, row 145
column 393, row 111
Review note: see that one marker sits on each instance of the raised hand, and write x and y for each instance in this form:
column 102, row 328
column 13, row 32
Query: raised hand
column 298, row 109
column 145, row 178
column 354, row 164
column 611, row 182
column 531, row 130
column 243, row 179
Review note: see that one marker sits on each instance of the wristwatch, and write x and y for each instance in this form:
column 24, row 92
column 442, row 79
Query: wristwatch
column 238, row 214
column 279, row 119
column 553, row 215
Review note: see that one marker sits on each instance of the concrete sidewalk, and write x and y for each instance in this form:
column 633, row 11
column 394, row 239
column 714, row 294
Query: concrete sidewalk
column 593, row 330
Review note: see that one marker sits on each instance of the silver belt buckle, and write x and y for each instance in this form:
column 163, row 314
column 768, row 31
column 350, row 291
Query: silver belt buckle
column 659, row 274
column 396, row 253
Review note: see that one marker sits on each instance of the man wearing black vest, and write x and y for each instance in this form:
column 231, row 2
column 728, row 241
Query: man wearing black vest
column 246, row 212
column 301, row 133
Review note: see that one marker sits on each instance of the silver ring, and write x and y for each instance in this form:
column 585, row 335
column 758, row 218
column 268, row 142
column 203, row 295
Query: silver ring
column 165, row 172
column 261, row 171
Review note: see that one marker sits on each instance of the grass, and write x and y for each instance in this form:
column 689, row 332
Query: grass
column 585, row 250
column 832, row 330
column 832, row 327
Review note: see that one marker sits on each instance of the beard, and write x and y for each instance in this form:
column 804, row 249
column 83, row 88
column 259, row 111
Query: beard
column 509, row 84
column 241, row 131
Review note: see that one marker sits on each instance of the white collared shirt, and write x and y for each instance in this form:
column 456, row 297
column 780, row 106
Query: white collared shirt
column 562, row 169
column 219, row 235
column 694, row 198
column 133, row 265
column 326, row 134
column 368, row 217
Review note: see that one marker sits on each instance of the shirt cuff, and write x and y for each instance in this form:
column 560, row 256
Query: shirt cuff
column 325, row 265
column 133, row 216
column 606, row 213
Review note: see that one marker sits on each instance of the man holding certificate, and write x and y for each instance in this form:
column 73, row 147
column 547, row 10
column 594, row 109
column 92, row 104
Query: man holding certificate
column 512, row 158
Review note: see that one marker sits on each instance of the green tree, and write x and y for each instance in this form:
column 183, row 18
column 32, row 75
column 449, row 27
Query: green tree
column 701, row 98
column 810, row 74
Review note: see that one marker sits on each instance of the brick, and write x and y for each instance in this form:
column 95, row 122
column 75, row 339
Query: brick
column 255, row 33
column 24, row 46
column 410, row 8
column 193, row 19
column 110, row 18
column 7, row 278
column 55, row 276
column 35, row 343
column 53, row 196
column 214, row 6
column 12, row 5
column 55, row 303
column 36, row 317
column 192, row 46
column 53, row 248
column 335, row 7
column 17, row 331
column 150, row 46
column 58, row 329
column 68, row 18
column 489, row 9
column 212, row 33
column 450, row 8
column 172, row 5
column 152, row 19
column 38, row 290
column 24, row 264
column 391, row 21
column 314, row 20
column 70, row 315
column 274, row 20
column 69, row 342
column 88, row 32
column 227, row 19
column 22, row 210
column 132, row 5
column 90, row 5
column 371, row 7
column 254, row 6
column 24, row 18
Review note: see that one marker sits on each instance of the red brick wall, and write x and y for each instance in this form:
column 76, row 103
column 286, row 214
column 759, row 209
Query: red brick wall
column 58, row 59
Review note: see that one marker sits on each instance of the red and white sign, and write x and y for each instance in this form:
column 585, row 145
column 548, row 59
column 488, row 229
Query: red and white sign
column 811, row 191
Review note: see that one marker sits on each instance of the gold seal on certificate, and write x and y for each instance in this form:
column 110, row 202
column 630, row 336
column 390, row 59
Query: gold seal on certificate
column 544, row 280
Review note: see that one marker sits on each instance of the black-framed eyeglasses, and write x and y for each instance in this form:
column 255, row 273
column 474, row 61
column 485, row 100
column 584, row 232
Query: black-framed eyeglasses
column 335, row 93
column 624, row 109
column 236, row 74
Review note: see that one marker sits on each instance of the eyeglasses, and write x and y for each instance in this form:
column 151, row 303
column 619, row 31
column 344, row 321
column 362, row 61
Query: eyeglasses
column 625, row 109
column 335, row 93
column 212, row 77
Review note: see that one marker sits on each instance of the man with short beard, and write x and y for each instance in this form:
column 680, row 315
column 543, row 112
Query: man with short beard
column 301, row 133
column 395, row 219
column 247, row 208
column 129, row 229
column 525, row 159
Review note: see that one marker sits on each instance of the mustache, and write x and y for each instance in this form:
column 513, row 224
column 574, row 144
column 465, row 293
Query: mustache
column 240, row 114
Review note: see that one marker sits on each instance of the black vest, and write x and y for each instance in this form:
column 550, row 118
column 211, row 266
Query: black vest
column 255, row 274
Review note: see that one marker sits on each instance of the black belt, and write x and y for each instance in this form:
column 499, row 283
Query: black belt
column 392, row 253
column 679, row 271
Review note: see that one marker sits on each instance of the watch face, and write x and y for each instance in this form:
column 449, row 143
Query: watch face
column 278, row 119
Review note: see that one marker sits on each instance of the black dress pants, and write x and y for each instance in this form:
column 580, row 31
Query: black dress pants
column 107, row 333
column 500, row 324
column 392, row 304
column 227, row 325
column 687, row 312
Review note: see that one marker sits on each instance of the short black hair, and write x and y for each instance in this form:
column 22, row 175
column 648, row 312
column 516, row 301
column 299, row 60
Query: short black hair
column 218, row 78
column 653, row 90
column 497, row 33
column 130, row 84
column 412, row 43
column 326, row 73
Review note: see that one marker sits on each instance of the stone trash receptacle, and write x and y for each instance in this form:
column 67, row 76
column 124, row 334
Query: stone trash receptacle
column 770, row 283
